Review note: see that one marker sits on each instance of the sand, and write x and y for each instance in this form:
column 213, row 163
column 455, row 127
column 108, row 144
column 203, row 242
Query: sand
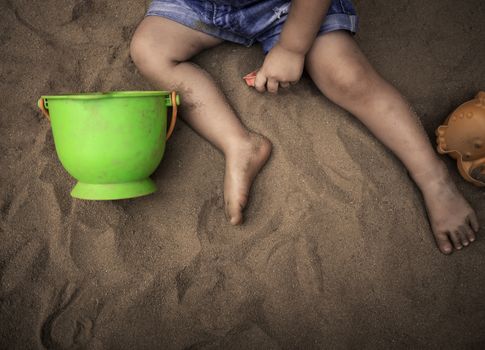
column 336, row 251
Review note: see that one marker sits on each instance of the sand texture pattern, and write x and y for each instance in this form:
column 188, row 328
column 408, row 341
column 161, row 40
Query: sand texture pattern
column 336, row 251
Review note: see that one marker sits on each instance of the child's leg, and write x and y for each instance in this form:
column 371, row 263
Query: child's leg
column 160, row 49
column 341, row 72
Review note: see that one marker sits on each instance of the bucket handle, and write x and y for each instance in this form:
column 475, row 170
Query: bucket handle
column 173, row 119
column 45, row 112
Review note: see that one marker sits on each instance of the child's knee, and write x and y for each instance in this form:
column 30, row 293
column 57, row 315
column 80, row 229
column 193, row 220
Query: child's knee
column 351, row 82
column 140, row 51
column 146, row 57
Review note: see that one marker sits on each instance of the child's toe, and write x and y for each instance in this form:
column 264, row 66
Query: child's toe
column 470, row 234
column 234, row 213
column 455, row 238
column 444, row 243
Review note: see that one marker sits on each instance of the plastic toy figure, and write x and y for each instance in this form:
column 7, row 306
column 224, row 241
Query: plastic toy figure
column 463, row 137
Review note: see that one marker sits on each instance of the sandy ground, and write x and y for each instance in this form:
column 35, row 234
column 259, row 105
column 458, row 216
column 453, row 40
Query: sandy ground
column 336, row 251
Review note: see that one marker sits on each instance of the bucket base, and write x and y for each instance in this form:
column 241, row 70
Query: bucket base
column 113, row 191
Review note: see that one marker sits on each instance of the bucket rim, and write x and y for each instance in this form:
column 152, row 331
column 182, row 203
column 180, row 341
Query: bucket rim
column 107, row 94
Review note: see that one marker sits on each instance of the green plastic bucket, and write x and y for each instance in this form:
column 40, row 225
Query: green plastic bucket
column 111, row 142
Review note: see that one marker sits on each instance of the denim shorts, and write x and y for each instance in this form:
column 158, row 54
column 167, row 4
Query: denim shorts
column 247, row 21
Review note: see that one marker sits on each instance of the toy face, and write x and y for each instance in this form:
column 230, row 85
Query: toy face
column 464, row 130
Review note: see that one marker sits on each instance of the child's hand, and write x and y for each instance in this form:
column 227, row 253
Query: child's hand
column 281, row 67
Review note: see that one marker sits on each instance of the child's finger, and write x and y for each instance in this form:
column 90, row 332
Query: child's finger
column 260, row 82
column 284, row 84
column 272, row 86
column 250, row 78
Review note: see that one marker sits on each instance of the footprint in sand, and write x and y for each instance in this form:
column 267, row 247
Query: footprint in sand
column 21, row 266
column 109, row 286
column 61, row 332
column 79, row 310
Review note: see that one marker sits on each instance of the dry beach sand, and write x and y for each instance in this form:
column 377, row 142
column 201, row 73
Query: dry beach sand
column 336, row 251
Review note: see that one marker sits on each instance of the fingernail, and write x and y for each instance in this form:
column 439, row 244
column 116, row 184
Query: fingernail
column 472, row 239
column 459, row 247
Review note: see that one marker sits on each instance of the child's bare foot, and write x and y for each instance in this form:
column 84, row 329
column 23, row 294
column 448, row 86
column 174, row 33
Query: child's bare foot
column 243, row 163
column 453, row 221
